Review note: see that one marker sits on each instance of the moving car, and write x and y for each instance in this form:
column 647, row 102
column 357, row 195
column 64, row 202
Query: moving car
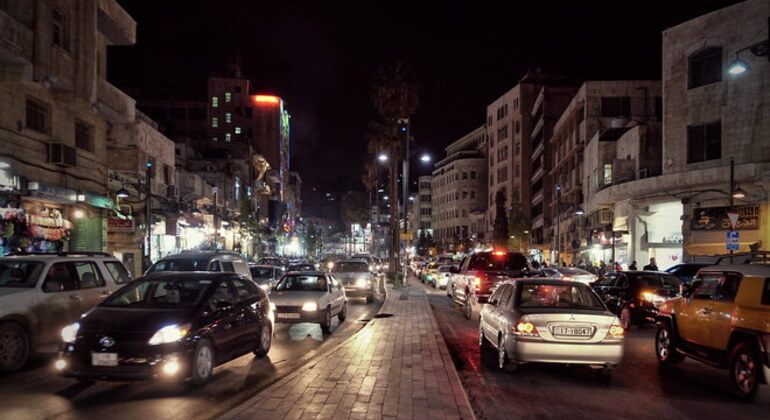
column 356, row 277
column 722, row 320
column 219, row 260
column 635, row 296
column 171, row 325
column 302, row 267
column 441, row 276
column 550, row 321
column 686, row 271
column 276, row 261
column 266, row 276
column 312, row 296
column 41, row 294
column 569, row 274
column 428, row 274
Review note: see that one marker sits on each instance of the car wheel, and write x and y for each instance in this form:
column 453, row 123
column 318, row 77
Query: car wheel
column 370, row 298
column 503, row 362
column 745, row 371
column 326, row 324
column 265, row 340
column 625, row 317
column 468, row 308
column 343, row 312
column 483, row 345
column 14, row 347
column 203, row 362
column 665, row 349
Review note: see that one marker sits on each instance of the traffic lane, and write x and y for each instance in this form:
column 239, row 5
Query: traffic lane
column 638, row 387
column 37, row 392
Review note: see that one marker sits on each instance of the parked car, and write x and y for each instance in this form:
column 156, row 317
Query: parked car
column 722, row 320
column 356, row 277
column 312, row 296
column 635, row 296
column 686, row 271
column 478, row 273
column 550, row 321
column 40, row 294
column 441, row 277
column 266, row 276
column 170, row 325
column 219, row 260
column 569, row 274
column 276, row 261
column 302, row 267
column 427, row 274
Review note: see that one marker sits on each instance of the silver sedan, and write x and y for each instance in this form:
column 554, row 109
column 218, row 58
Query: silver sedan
column 551, row 321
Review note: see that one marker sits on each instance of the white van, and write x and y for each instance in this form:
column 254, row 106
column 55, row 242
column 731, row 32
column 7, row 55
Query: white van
column 219, row 260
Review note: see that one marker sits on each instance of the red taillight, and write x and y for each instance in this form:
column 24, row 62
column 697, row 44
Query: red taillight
column 477, row 282
column 525, row 328
column 499, row 253
column 616, row 331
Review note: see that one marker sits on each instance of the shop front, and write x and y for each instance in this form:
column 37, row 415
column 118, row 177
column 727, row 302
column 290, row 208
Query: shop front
column 709, row 227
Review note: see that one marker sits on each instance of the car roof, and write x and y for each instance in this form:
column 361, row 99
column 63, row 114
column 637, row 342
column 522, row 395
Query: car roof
column 187, row 275
column 542, row 280
column 568, row 270
column 313, row 272
column 753, row 270
column 200, row 254
column 61, row 256
column 352, row 261
column 264, row 265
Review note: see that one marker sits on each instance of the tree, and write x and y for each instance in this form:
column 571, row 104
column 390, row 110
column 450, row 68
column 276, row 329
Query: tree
column 500, row 226
column 312, row 238
column 354, row 209
column 518, row 226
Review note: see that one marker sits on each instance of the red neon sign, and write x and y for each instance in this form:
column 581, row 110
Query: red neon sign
column 266, row 99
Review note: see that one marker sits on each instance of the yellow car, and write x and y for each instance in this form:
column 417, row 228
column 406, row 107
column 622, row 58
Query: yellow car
column 722, row 319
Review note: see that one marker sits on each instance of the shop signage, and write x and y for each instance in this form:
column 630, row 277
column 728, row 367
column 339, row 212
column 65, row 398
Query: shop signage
column 98, row 200
column 52, row 193
column 9, row 182
column 117, row 180
column 733, row 240
column 717, row 218
column 120, row 225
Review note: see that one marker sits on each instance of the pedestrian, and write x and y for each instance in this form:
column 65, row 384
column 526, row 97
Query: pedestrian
column 633, row 265
column 535, row 265
column 582, row 264
column 602, row 267
column 618, row 267
column 652, row 266
column 544, row 265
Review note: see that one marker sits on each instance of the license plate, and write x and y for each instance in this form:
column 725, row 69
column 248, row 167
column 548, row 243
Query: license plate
column 104, row 359
column 572, row 331
column 350, row 289
column 291, row 316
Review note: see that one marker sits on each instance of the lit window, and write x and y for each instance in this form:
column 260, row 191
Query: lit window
column 228, row 137
column 215, row 138
column 228, row 97
column 237, row 130
column 214, row 122
column 228, row 117
column 214, row 102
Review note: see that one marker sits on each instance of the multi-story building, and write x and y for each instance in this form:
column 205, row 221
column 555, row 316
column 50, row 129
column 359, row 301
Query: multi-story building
column 712, row 118
column 423, row 209
column 597, row 109
column 459, row 189
column 57, row 110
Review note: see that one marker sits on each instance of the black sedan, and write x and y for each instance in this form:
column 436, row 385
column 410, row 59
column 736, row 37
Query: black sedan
column 634, row 296
column 169, row 325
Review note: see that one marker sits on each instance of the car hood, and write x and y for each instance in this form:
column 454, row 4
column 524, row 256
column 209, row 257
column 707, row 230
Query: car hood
column 133, row 320
column 294, row 298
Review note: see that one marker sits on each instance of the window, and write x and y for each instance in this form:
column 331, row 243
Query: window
column 518, row 127
column 237, row 130
column 118, row 272
column 659, row 108
column 237, row 89
column 228, row 266
column 705, row 288
column 60, row 23
column 228, row 137
column 473, row 194
column 84, row 137
column 473, row 174
column 214, row 102
column 729, row 288
column 705, row 67
column 37, row 116
column 247, row 112
column 704, row 142
column 228, row 117
column 616, row 107
column 88, row 276
column 214, row 122
column 245, row 290
column 215, row 138
column 228, row 97
column 465, row 175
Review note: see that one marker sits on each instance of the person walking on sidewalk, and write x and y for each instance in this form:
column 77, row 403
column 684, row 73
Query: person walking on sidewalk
column 652, row 266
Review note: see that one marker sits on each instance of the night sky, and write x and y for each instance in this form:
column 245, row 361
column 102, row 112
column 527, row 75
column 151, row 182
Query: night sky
column 321, row 57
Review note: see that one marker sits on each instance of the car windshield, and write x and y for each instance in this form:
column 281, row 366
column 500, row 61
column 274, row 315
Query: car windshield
column 445, row 268
column 261, row 272
column 503, row 262
column 159, row 293
column 179, row 264
column 302, row 283
column 577, row 296
column 684, row 269
column 19, row 273
column 302, row 267
column 351, row 267
column 606, row 281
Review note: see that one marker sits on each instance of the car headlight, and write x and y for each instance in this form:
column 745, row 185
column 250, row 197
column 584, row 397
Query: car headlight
column 70, row 332
column 169, row 334
column 310, row 306
column 265, row 286
column 272, row 306
column 363, row 282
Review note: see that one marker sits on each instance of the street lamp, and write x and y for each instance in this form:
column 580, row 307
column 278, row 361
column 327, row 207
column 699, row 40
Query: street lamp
column 760, row 49
column 382, row 157
column 425, row 158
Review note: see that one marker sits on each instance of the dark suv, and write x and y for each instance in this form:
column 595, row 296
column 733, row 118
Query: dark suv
column 635, row 296
column 474, row 281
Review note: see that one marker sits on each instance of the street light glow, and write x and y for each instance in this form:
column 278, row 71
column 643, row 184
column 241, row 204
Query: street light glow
column 382, row 157
column 737, row 66
column 425, row 158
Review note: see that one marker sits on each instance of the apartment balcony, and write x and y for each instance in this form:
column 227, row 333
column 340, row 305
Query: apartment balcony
column 16, row 41
column 115, row 105
column 117, row 25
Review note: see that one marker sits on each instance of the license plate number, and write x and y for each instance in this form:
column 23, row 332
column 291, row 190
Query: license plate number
column 291, row 316
column 104, row 359
column 572, row 331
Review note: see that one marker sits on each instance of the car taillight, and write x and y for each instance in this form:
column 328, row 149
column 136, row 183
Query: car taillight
column 525, row 328
column 477, row 282
column 616, row 331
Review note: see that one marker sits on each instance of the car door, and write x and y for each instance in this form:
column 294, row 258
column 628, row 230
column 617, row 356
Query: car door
column 223, row 318
column 488, row 312
column 248, row 316
column 695, row 311
column 721, row 316
column 61, row 304
column 118, row 272
column 337, row 293
column 497, row 317
column 93, row 288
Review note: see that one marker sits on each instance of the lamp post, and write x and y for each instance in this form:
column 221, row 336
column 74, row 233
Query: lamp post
column 558, row 222
column 148, row 211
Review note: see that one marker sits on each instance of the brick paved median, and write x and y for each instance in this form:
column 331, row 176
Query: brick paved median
column 394, row 368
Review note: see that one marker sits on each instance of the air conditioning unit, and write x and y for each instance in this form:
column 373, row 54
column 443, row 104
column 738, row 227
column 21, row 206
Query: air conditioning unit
column 173, row 191
column 62, row 154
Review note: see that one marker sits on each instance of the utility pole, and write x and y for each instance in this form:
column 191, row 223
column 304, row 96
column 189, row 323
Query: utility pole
column 405, row 187
column 148, row 211
column 558, row 222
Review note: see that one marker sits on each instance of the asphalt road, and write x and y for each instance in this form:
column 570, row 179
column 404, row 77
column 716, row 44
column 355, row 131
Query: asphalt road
column 38, row 393
column 638, row 389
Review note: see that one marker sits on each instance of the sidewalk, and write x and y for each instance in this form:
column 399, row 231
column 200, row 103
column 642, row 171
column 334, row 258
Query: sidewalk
column 396, row 367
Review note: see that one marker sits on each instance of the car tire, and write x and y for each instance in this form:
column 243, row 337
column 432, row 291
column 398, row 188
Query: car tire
column 265, row 340
column 483, row 344
column 343, row 312
column 745, row 370
column 665, row 349
column 14, row 347
column 624, row 314
column 468, row 308
column 326, row 324
column 370, row 298
column 202, row 362
column 504, row 363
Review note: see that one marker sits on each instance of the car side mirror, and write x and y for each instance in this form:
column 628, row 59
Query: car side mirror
column 684, row 290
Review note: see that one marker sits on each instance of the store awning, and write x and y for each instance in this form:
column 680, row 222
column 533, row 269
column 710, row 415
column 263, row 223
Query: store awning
column 714, row 248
